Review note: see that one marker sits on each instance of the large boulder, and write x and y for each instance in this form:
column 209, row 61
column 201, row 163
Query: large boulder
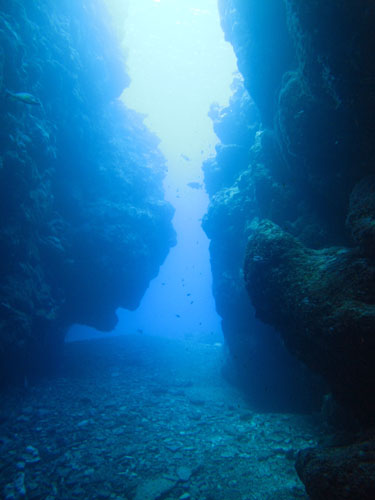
column 322, row 301
column 339, row 472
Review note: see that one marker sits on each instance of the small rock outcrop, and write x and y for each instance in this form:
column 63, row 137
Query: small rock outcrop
column 361, row 215
column 83, row 223
column 339, row 472
column 322, row 302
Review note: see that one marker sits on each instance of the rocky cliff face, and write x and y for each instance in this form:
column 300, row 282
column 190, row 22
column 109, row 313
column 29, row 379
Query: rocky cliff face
column 239, row 181
column 300, row 197
column 303, row 180
column 84, row 226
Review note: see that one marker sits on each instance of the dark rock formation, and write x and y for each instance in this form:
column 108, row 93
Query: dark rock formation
column 361, row 215
column 303, row 197
column 300, row 173
column 240, row 185
column 83, row 223
column 337, row 473
column 322, row 301
column 256, row 29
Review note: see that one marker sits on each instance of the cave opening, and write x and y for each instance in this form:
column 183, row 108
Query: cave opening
column 179, row 65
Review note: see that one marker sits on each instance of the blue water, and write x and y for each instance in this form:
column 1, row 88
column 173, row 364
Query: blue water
column 174, row 85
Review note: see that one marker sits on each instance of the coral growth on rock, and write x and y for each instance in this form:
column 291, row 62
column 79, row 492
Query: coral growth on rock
column 307, row 171
column 239, row 181
column 322, row 301
column 83, row 223
column 302, row 199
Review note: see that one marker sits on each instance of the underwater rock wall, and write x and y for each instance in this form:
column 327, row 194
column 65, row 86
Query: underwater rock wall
column 301, row 197
column 83, row 223
column 239, row 180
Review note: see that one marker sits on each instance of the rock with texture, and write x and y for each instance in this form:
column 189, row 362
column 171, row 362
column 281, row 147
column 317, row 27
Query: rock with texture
column 304, row 196
column 154, row 489
column 255, row 29
column 240, row 186
column 337, row 473
column 83, row 224
column 307, row 173
column 316, row 299
column 361, row 215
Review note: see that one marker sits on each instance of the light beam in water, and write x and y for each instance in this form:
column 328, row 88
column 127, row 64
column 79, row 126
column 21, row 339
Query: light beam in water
column 179, row 63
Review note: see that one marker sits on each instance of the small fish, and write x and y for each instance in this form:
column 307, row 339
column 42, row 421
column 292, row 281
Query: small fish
column 139, row 330
column 188, row 294
column 184, row 157
column 178, row 316
column 24, row 97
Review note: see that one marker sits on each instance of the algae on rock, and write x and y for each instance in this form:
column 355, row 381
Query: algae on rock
column 83, row 223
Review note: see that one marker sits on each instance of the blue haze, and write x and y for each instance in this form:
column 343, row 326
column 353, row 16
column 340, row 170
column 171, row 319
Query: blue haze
column 179, row 63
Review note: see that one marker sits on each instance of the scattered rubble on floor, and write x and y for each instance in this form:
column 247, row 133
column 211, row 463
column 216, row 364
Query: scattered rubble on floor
column 122, row 422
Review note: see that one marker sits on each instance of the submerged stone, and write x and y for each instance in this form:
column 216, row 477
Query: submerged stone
column 316, row 299
column 184, row 473
column 154, row 489
column 31, row 455
column 339, row 472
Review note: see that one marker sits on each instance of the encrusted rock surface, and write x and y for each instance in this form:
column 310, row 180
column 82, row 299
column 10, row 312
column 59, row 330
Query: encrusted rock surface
column 307, row 171
column 345, row 472
column 241, row 186
column 322, row 301
column 304, row 194
column 83, row 223
column 361, row 215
